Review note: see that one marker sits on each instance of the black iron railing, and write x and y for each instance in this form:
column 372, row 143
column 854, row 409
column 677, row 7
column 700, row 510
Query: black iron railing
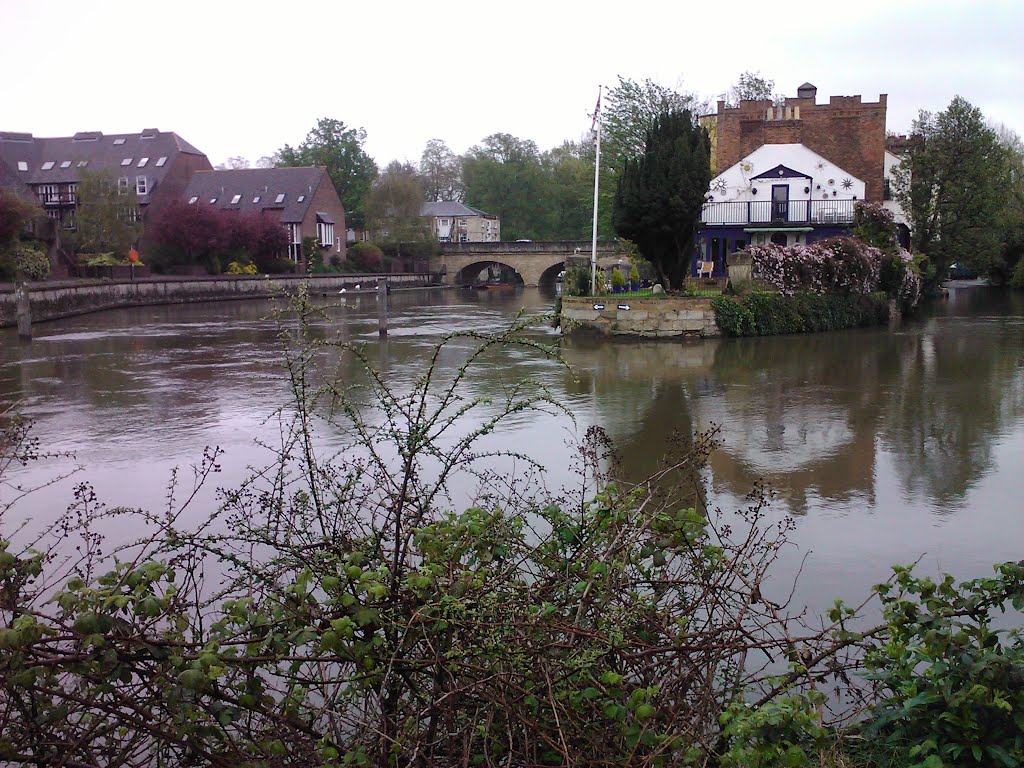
column 768, row 212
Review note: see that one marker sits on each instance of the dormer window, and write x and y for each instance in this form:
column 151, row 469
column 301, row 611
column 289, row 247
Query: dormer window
column 235, row 199
column 279, row 198
column 160, row 162
column 48, row 165
column 126, row 161
column 141, row 186
column 142, row 162
column 192, row 200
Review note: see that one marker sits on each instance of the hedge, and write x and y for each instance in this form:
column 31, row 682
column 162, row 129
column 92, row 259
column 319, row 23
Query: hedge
column 769, row 314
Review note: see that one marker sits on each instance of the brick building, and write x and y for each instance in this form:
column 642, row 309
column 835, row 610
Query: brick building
column 303, row 200
column 789, row 173
column 151, row 168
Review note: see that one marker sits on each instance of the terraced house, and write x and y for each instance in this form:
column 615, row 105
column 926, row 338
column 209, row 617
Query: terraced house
column 151, row 168
column 303, row 200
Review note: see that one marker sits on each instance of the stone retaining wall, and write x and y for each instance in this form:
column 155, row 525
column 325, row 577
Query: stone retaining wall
column 50, row 302
column 655, row 317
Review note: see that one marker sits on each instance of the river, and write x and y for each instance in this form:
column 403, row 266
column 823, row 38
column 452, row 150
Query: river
column 883, row 446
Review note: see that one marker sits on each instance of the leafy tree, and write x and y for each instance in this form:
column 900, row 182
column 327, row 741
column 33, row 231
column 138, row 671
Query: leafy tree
column 570, row 172
column 15, row 214
column 659, row 194
column 107, row 219
column 394, row 204
column 331, row 143
column 629, row 111
column 201, row 235
column 441, row 170
column 750, row 86
column 503, row 176
column 1010, row 222
column 952, row 186
column 233, row 163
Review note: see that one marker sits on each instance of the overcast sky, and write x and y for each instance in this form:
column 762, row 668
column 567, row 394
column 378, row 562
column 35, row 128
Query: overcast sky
column 245, row 78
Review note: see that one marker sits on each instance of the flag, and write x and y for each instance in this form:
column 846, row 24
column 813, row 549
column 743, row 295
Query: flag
column 597, row 111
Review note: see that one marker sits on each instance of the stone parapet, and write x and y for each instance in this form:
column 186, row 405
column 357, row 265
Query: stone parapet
column 663, row 317
column 65, row 299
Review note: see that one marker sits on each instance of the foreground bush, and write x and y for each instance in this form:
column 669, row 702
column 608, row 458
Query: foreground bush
column 335, row 611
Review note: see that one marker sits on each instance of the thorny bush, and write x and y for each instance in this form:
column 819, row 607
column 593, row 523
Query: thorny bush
column 349, row 616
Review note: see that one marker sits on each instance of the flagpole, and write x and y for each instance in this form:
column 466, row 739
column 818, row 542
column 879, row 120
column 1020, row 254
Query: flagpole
column 597, row 176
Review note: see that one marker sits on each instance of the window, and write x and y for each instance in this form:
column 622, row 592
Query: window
column 279, row 198
column 192, row 200
column 235, row 199
column 134, row 214
column 118, row 142
column 22, row 165
column 82, row 163
column 54, row 213
column 142, row 162
column 141, row 187
column 443, row 222
column 160, row 162
column 126, row 161
column 69, row 219
column 65, row 164
column 49, row 193
column 213, row 200
column 122, row 185
column 48, row 165
column 325, row 234
column 300, row 198
column 255, row 199
column 73, row 193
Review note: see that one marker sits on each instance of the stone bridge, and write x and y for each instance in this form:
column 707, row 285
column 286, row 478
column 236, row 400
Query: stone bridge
column 534, row 262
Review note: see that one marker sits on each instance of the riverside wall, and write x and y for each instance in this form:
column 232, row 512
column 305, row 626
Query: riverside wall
column 51, row 301
column 661, row 317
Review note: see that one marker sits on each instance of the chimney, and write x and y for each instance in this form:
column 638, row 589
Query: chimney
column 807, row 91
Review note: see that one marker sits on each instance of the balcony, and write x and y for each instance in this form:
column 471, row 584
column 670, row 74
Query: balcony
column 767, row 213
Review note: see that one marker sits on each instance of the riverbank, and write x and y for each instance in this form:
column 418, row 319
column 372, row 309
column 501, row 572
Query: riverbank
column 643, row 317
column 53, row 300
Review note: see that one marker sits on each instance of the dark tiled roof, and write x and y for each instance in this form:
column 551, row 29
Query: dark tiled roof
column 265, row 183
column 95, row 150
column 449, row 208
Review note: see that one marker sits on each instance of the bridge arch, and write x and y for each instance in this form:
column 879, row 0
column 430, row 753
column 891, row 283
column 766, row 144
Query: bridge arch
column 532, row 261
column 471, row 273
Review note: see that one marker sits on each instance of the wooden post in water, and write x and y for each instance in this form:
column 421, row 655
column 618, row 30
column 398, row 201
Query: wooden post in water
column 382, row 306
column 23, row 311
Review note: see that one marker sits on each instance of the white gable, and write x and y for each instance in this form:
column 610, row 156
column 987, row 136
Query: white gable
column 817, row 179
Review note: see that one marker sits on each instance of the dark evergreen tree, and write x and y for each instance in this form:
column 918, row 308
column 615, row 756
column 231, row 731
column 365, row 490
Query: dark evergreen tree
column 660, row 193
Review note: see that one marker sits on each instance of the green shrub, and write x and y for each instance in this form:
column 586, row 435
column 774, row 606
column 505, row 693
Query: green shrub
column 770, row 314
column 26, row 258
column 237, row 268
column 617, row 279
column 576, row 282
column 366, row 257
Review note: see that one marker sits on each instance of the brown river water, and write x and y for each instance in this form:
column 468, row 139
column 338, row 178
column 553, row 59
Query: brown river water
column 883, row 446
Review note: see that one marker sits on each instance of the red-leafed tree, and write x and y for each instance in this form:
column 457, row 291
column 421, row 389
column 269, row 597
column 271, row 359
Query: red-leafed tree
column 200, row 235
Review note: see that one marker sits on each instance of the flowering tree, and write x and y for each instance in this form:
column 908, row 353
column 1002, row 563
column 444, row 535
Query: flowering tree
column 841, row 265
